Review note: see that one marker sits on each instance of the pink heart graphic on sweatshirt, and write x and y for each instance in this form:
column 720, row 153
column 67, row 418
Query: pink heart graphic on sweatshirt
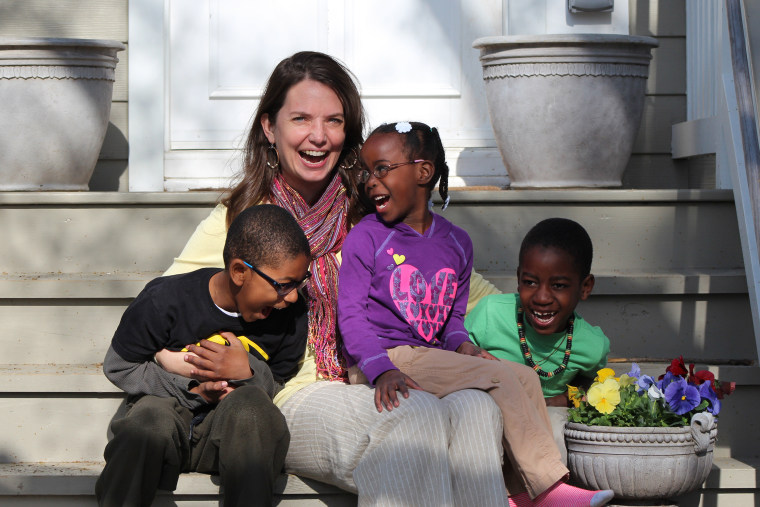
column 426, row 306
column 389, row 251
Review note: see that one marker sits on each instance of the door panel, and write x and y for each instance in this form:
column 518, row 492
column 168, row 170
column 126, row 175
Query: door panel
column 413, row 59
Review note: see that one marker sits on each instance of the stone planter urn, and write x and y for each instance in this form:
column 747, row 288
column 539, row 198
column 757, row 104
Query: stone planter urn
column 642, row 463
column 56, row 101
column 565, row 109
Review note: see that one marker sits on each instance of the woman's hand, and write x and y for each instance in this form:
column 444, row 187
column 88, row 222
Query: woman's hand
column 470, row 349
column 213, row 392
column 386, row 386
column 174, row 362
column 213, row 361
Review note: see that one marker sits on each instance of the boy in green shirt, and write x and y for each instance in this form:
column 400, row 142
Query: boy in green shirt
column 538, row 326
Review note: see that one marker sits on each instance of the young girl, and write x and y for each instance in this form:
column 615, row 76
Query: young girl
column 403, row 287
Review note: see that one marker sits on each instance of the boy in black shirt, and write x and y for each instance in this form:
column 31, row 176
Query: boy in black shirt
column 221, row 420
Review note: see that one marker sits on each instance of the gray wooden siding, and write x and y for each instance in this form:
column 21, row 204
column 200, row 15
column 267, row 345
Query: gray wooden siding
column 651, row 165
column 83, row 19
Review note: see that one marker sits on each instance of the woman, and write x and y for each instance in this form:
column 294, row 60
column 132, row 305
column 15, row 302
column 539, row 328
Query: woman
column 428, row 451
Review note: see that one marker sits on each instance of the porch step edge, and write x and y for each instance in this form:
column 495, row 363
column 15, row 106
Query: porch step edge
column 463, row 196
column 46, row 379
column 55, row 378
column 126, row 285
column 78, row 478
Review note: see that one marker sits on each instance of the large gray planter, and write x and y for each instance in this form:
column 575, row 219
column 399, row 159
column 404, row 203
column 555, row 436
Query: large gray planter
column 55, row 96
column 642, row 463
column 565, row 109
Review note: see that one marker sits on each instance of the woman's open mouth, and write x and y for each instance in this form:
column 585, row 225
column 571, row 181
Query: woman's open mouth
column 313, row 158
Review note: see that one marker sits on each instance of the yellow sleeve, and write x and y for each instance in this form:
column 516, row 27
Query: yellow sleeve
column 479, row 288
column 204, row 248
column 307, row 375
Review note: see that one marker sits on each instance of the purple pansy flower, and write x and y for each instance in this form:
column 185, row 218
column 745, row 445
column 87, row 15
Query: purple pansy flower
column 681, row 396
column 644, row 383
column 707, row 393
column 666, row 380
column 635, row 371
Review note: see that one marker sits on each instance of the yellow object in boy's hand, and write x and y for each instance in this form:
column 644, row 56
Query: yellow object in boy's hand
column 247, row 344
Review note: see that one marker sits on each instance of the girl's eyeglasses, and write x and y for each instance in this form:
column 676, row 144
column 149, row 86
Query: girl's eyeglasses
column 283, row 289
column 382, row 170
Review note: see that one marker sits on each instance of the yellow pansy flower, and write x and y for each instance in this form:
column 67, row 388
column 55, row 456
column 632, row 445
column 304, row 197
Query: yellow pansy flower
column 604, row 374
column 604, row 396
column 574, row 395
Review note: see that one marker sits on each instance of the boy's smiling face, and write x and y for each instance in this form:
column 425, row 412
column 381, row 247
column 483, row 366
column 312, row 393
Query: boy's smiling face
column 550, row 288
column 257, row 297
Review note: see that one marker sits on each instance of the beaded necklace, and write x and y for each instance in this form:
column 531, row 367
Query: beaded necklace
column 529, row 357
column 554, row 351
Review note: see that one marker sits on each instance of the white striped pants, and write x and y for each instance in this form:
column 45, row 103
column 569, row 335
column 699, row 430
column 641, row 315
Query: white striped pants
column 428, row 451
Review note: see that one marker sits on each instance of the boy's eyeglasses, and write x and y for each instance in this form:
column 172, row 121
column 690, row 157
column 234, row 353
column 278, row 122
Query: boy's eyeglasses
column 382, row 170
column 283, row 289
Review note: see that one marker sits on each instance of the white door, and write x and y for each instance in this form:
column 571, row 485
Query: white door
column 197, row 68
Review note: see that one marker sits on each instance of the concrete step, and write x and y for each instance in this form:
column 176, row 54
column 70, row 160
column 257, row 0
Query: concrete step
column 659, row 314
column 731, row 483
column 634, row 230
column 61, row 412
column 69, row 483
column 55, row 378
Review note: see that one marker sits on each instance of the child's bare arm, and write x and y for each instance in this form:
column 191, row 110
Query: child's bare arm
column 212, row 361
column 174, row 362
column 561, row 400
column 470, row 349
column 386, row 386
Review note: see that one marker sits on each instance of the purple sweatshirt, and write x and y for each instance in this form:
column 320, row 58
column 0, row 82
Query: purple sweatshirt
column 397, row 287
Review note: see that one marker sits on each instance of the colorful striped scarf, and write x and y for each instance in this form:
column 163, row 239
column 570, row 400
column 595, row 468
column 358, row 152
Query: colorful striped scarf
column 325, row 228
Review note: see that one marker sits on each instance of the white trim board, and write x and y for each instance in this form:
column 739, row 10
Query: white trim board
column 147, row 83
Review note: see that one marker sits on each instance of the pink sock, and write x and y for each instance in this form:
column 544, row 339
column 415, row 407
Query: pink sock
column 564, row 495
column 521, row 500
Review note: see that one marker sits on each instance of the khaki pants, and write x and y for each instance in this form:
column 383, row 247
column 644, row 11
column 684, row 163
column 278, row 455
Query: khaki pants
column 528, row 439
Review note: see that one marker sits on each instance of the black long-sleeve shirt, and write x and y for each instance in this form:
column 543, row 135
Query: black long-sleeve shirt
column 173, row 311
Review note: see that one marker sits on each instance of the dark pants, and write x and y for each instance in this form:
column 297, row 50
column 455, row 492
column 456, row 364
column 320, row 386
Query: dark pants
column 244, row 439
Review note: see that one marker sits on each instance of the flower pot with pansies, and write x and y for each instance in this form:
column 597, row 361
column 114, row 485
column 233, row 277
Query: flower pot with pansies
column 642, row 437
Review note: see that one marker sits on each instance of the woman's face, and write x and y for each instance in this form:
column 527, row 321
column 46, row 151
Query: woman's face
column 309, row 131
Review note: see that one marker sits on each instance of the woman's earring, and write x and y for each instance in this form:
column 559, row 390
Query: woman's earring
column 350, row 160
column 272, row 152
